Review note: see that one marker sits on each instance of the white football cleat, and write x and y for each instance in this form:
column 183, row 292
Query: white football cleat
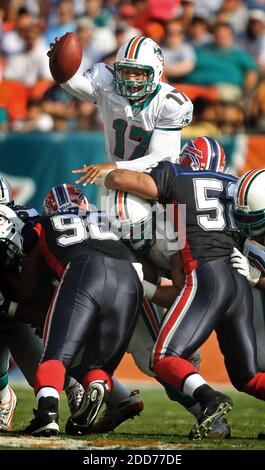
column 7, row 410
column 74, row 396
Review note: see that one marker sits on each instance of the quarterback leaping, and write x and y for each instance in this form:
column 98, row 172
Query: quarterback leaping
column 142, row 115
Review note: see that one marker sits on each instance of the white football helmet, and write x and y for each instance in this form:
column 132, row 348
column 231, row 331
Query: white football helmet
column 249, row 203
column 131, row 217
column 5, row 191
column 143, row 54
column 10, row 237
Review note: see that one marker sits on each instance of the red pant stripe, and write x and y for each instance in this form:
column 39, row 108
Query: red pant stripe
column 174, row 316
column 50, row 313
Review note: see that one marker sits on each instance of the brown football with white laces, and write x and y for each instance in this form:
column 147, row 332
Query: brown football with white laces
column 65, row 57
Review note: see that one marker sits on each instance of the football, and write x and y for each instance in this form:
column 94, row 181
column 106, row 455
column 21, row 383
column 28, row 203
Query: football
column 65, row 57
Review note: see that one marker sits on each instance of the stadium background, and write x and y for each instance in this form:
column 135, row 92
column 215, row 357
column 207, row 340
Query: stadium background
column 35, row 161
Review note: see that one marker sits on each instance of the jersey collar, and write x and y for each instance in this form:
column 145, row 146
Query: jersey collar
column 138, row 107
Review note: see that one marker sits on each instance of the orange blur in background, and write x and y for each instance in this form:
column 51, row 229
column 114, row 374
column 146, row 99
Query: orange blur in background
column 212, row 366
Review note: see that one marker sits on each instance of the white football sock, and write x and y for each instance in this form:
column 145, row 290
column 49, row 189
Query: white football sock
column 45, row 392
column 191, row 383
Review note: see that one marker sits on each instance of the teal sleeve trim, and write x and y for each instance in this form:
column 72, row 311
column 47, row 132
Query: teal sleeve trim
column 168, row 128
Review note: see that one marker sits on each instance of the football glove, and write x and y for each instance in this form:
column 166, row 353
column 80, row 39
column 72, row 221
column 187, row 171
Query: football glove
column 149, row 289
column 242, row 265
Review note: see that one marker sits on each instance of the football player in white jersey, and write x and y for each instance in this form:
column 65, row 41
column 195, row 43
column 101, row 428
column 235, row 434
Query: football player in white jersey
column 249, row 212
column 142, row 115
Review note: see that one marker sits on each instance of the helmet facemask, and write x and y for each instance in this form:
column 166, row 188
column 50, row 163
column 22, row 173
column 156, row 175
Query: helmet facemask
column 139, row 236
column 140, row 54
column 10, row 238
column 133, row 89
column 249, row 203
column 189, row 161
column 250, row 223
column 5, row 192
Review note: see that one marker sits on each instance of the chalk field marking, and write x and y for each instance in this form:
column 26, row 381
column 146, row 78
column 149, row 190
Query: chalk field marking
column 59, row 443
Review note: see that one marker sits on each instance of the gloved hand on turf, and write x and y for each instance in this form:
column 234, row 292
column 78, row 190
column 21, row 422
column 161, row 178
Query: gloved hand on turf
column 242, row 265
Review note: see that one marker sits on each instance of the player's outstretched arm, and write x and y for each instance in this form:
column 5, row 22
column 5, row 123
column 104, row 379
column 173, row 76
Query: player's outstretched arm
column 91, row 173
column 134, row 182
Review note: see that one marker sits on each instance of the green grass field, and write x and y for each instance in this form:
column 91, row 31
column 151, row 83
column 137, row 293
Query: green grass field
column 162, row 424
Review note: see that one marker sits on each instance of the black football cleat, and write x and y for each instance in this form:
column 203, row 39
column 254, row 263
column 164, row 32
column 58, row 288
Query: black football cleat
column 114, row 416
column 45, row 422
column 261, row 435
column 217, row 406
column 81, row 421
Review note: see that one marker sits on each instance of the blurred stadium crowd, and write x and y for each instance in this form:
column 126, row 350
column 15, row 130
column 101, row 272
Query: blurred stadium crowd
column 214, row 52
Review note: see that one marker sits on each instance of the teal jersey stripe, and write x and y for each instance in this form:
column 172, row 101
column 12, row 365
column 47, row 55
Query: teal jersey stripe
column 148, row 100
column 109, row 69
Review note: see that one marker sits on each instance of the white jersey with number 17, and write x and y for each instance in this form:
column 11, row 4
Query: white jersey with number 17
column 133, row 130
